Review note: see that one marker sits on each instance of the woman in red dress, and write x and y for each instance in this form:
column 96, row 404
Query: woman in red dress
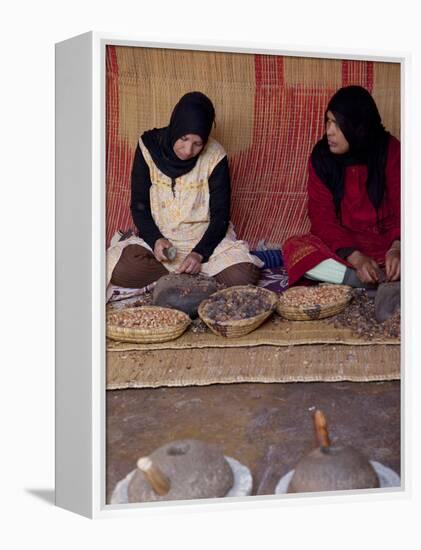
column 353, row 199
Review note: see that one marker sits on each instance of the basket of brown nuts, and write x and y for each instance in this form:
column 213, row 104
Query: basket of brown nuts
column 309, row 303
column 238, row 310
column 146, row 324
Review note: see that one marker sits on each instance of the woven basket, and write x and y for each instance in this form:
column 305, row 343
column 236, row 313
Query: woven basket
column 147, row 335
column 312, row 312
column 241, row 327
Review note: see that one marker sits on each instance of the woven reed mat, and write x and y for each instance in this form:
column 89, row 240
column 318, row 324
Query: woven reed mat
column 256, row 97
column 274, row 332
column 201, row 367
column 279, row 351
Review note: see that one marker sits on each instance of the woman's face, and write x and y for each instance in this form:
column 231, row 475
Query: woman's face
column 188, row 146
column 336, row 140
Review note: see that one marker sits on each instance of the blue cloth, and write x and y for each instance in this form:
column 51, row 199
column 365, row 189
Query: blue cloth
column 271, row 258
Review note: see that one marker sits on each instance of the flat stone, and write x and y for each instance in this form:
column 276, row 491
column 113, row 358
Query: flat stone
column 194, row 468
column 183, row 291
column 387, row 300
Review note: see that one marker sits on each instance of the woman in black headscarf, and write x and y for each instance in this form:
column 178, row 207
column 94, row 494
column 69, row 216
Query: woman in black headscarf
column 181, row 201
column 353, row 198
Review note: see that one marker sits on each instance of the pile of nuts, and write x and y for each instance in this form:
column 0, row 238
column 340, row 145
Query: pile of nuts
column 146, row 318
column 144, row 300
column 197, row 326
column 310, row 296
column 360, row 318
column 234, row 305
column 136, row 301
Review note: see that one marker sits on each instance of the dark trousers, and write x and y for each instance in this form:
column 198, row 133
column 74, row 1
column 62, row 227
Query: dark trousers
column 138, row 267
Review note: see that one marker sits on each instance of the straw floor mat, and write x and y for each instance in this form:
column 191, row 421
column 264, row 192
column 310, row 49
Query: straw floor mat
column 274, row 332
column 200, row 367
column 279, row 351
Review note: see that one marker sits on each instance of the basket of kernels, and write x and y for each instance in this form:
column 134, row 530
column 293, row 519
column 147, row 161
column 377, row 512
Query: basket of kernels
column 238, row 310
column 309, row 303
column 146, row 324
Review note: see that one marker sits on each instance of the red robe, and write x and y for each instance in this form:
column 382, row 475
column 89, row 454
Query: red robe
column 360, row 227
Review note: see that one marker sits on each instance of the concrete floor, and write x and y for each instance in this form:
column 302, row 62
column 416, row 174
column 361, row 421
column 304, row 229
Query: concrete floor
column 267, row 427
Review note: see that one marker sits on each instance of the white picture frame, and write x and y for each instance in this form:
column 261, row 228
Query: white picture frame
column 80, row 270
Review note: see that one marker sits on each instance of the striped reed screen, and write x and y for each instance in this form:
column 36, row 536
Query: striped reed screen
column 269, row 114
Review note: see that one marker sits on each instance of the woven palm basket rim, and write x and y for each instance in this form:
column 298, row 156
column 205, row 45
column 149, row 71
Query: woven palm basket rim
column 310, row 312
column 239, row 327
column 146, row 335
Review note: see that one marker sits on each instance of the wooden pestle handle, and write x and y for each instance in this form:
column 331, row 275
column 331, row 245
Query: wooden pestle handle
column 157, row 480
column 320, row 428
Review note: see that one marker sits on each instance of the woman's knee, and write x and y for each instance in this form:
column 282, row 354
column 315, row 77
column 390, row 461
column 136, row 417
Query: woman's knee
column 136, row 268
column 244, row 273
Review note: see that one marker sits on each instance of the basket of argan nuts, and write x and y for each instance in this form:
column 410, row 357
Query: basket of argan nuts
column 309, row 303
column 238, row 310
column 146, row 324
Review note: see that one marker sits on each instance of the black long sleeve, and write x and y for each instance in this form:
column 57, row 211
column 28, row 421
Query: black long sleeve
column 219, row 206
column 140, row 204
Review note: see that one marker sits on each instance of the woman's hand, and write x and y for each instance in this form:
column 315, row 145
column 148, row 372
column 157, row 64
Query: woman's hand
column 191, row 264
column 393, row 262
column 159, row 247
column 367, row 269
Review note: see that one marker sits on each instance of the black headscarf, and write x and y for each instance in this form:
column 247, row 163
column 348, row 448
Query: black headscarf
column 193, row 114
column 358, row 118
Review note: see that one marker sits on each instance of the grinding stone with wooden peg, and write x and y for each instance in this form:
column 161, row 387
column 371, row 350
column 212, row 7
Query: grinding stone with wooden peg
column 184, row 469
column 331, row 468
